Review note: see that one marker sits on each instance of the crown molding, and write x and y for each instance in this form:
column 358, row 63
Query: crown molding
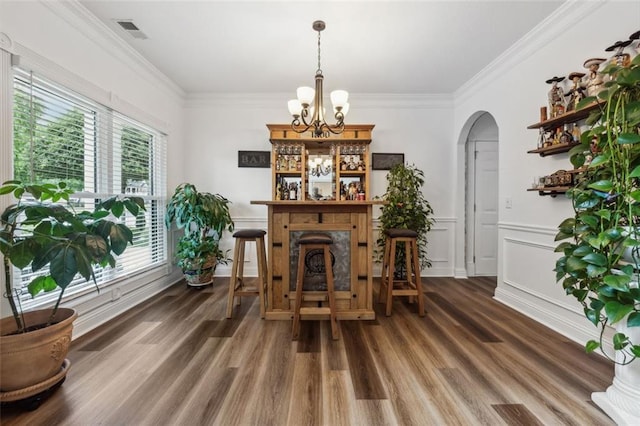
column 567, row 15
column 279, row 100
column 79, row 17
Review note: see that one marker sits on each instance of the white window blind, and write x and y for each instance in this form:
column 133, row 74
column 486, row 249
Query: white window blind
column 62, row 136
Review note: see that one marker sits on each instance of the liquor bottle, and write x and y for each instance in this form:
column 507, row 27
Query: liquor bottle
column 292, row 191
column 278, row 162
column 278, row 191
column 298, row 163
column 292, row 163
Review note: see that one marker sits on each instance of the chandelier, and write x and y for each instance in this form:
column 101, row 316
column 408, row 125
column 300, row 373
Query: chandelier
column 308, row 110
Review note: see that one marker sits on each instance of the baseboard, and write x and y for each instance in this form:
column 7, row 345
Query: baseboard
column 570, row 324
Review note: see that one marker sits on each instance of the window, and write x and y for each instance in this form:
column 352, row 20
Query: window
column 62, row 136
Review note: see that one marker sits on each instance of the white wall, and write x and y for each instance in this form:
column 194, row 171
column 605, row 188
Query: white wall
column 63, row 42
column 206, row 131
column 513, row 89
column 420, row 127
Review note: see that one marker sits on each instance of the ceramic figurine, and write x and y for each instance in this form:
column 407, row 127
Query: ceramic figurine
column 576, row 94
column 620, row 58
column 594, row 82
column 556, row 97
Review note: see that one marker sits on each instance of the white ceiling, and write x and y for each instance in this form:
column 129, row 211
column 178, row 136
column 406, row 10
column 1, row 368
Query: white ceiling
column 395, row 47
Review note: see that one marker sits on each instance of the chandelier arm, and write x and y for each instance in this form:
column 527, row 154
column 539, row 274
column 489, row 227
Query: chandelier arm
column 298, row 127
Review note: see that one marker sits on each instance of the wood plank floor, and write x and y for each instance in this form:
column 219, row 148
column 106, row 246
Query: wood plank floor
column 176, row 360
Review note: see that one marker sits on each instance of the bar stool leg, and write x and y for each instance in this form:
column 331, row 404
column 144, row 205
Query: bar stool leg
column 237, row 262
column 392, row 267
column 384, row 279
column 262, row 274
column 408, row 251
column 330, row 291
column 299, row 282
column 418, row 283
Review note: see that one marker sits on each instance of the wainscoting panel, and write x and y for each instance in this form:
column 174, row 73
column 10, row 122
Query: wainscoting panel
column 527, row 283
column 440, row 249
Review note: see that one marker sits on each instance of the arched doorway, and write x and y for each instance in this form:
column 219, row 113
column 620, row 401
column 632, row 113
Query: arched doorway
column 477, row 231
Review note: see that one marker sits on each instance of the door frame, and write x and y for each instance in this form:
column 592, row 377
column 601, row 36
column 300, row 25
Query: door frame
column 460, row 263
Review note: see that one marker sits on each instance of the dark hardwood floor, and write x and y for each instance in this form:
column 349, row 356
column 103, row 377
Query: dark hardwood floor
column 176, row 360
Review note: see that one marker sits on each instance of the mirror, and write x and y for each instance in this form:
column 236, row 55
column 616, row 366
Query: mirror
column 320, row 175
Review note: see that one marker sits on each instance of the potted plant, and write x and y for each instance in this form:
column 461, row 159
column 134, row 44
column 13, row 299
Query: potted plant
column 406, row 208
column 600, row 245
column 44, row 231
column 204, row 218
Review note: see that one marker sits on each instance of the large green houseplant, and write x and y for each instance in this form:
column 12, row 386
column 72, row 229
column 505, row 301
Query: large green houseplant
column 204, row 218
column 47, row 232
column 406, row 207
column 601, row 241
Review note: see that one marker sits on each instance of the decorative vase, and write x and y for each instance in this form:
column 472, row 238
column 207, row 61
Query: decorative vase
column 621, row 401
column 34, row 361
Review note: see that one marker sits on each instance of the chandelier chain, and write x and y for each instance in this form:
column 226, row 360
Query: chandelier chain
column 319, row 71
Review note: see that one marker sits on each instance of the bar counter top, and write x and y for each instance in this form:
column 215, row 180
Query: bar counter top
column 318, row 202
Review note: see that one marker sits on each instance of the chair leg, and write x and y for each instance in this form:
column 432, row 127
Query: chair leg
column 299, row 283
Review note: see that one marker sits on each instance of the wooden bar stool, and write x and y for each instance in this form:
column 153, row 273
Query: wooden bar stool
column 315, row 241
column 236, row 284
column 411, row 286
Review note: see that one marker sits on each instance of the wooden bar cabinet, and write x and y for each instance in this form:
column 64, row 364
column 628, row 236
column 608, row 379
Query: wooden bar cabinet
column 321, row 185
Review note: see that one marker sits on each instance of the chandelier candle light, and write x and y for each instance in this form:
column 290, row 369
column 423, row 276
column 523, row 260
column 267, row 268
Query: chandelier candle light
column 307, row 116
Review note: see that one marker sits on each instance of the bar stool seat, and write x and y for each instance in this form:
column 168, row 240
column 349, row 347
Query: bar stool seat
column 389, row 285
column 237, row 288
column 307, row 242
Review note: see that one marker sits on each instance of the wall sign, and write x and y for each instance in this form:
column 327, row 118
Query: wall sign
column 385, row 161
column 261, row 159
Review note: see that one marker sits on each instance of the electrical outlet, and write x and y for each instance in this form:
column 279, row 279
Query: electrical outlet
column 508, row 203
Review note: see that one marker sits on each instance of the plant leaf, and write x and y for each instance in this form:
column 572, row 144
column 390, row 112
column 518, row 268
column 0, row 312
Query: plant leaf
column 619, row 282
column 64, row 267
column 628, row 138
column 119, row 236
column 620, row 341
column 602, row 185
column 634, row 319
column 591, row 346
column 616, row 310
column 597, row 259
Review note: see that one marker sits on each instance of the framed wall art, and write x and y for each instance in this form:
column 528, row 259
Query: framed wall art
column 385, row 161
column 260, row 159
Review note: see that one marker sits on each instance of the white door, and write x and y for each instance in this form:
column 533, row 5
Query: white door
column 485, row 247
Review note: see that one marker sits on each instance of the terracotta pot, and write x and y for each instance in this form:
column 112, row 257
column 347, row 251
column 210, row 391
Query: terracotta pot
column 27, row 359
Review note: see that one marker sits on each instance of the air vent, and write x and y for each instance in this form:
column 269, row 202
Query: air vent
column 131, row 28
